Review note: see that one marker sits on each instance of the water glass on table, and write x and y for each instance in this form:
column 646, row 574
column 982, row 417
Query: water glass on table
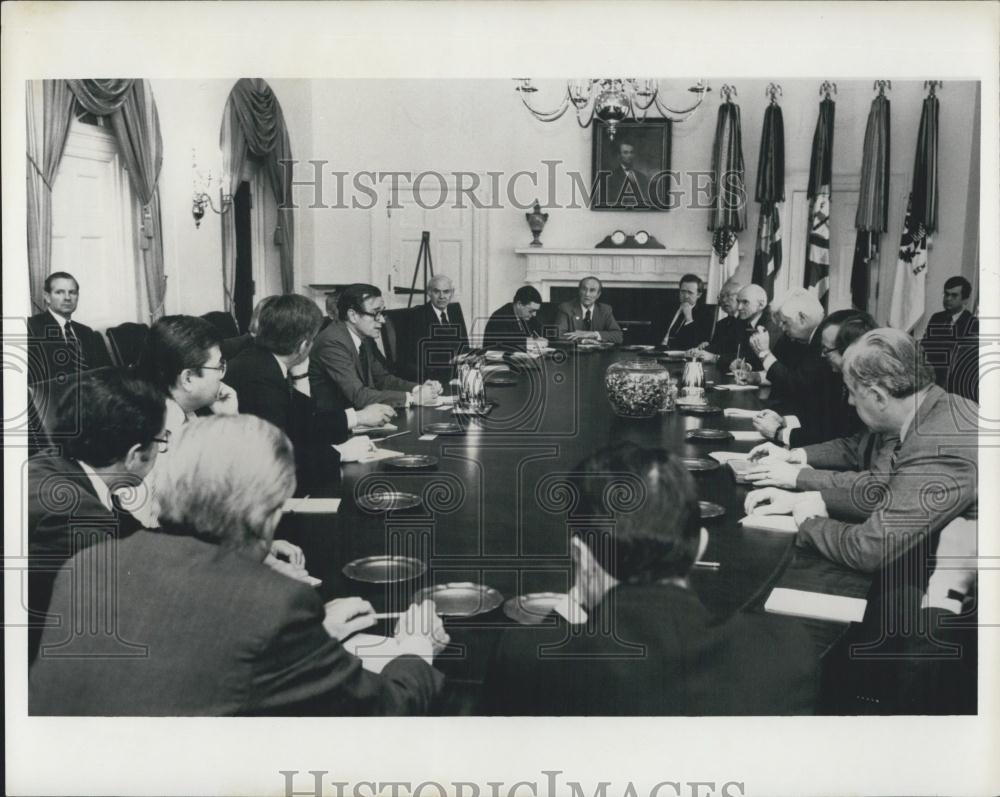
column 741, row 372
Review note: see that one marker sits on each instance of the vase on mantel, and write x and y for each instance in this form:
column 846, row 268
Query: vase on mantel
column 536, row 223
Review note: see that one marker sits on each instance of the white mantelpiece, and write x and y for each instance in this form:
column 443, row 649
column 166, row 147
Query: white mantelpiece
column 627, row 267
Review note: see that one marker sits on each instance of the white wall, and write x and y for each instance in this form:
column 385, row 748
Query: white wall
column 480, row 126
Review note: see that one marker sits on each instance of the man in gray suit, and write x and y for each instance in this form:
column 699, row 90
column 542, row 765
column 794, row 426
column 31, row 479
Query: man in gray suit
column 931, row 474
column 345, row 369
column 586, row 318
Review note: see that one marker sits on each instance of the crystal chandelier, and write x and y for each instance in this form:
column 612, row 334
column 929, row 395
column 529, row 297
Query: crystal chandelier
column 612, row 100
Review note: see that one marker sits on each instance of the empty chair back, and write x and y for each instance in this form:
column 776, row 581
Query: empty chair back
column 223, row 322
column 43, row 401
column 232, row 346
column 126, row 342
column 396, row 326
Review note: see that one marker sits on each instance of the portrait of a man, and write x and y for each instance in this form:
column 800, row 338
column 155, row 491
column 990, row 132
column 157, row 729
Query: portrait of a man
column 629, row 172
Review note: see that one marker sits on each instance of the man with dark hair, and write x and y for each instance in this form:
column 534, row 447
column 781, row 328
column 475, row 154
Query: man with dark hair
column 951, row 342
column 183, row 358
column 113, row 426
column 648, row 645
column 932, row 473
column 511, row 326
column 628, row 186
column 345, row 369
column 587, row 318
column 60, row 346
column 694, row 321
column 262, row 376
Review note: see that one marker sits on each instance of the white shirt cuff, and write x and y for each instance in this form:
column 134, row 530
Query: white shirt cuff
column 352, row 417
column 768, row 360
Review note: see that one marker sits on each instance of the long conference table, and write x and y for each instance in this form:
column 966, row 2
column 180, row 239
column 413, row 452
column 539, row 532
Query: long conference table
column 494, row 509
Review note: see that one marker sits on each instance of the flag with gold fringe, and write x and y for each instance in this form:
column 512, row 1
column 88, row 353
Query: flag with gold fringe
column 817, row 269
column 770, row 193
column 728, row 196
column 872, row 217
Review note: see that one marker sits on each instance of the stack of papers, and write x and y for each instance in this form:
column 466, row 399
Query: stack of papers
column 362, row 428
column 785, row 523
column 816, row 605
column 733, row 412
column 312, row 506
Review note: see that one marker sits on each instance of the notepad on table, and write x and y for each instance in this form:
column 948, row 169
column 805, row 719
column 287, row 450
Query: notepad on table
column 747, row 437
column 816, row 605
column 735, row 412
column 736, row 387
column 784, row 523
column 380, row 453
column 725, row 457
column 312, row 506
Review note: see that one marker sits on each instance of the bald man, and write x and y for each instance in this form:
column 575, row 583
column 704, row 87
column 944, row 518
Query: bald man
column 433, row 334
column 751, row 314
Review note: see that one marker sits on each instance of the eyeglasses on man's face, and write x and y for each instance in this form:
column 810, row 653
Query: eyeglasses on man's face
column 378, row 315
column 221, row 367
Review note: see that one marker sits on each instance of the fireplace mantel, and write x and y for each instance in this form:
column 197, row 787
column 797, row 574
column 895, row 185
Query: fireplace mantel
column 625, row 267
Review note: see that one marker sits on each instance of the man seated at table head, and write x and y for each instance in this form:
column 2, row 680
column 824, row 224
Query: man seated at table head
column 514, row 324
column 726, row 335
column 183, row 358
column 951, row 341
column 693, row 322
column 586, row 318
column 345, row 369
column 648, row 645
column 931, row 474
column 113, row 428
column 211, row 630
column 63, row 346
column 433, row 334
column 262, row 376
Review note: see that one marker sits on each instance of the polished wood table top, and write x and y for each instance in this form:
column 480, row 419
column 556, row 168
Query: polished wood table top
column 494, row 509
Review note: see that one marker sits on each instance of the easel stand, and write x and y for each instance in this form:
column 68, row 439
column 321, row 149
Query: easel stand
column 424, row 261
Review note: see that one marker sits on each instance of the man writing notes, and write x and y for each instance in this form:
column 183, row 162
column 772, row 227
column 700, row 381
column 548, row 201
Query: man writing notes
column 60, row 345
column 586, row 318
column 951, row 342
column 345, row 369
column 513, row 324
column 693, row 323
column 262, row 377
column 931, row 477
column 647, row 646
column 201, row 626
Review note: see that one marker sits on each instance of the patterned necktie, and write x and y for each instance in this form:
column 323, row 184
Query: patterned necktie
column 366, row 366
column 587, row 324
column 74, row 344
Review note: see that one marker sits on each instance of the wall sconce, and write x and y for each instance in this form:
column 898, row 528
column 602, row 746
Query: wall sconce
column 204, row 186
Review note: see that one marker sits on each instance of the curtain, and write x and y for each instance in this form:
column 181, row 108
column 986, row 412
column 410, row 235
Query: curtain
column 253, row 124
column 770, row 194
column 136, row 125
column 49, row 113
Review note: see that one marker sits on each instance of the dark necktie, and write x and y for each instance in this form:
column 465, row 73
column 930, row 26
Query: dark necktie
column 444, row 317
column 366, row 365
column 587, row 324
column 74, row 344
column 895, row 456
column 676, row 326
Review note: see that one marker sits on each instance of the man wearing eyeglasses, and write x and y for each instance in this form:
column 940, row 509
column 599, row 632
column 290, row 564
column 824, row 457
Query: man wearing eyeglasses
column 113, row 426
column 345, row 369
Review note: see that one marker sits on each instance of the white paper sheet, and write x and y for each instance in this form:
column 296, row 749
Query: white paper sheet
column 373, row 650
column 748, row 437
column 723, row 457
column 427, row 437
column 784, row 523
column 365, row 429
column 736, row 387
column 312, row 506
column 735, row 412
column 817, row 605
column 380, row 453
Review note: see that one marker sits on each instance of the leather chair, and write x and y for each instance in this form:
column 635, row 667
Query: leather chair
column 223, row 322
column 43, row 401
column 232, row 346
column 126, row 342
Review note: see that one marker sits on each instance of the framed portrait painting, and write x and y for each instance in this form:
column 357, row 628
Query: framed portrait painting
column 630, row 171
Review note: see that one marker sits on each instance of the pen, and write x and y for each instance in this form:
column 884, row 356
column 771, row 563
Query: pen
column 397, row 434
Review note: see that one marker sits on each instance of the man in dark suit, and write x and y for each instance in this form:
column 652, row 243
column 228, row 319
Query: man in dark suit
column 59, row 346
column 264, row 379
column 694, row 322
column 201, row 626
column 435, row 334
column 345, row 369
column 113, row 426
column 933, row 468
column 586, row 318
column 511, row 325
column 648, row 647
column 628, row 186
column 951, row 342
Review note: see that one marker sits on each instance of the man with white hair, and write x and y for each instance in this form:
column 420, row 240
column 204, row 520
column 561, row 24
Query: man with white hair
column 432, row 334
column 726, row 336
column 931, row 477
column 753, row 315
